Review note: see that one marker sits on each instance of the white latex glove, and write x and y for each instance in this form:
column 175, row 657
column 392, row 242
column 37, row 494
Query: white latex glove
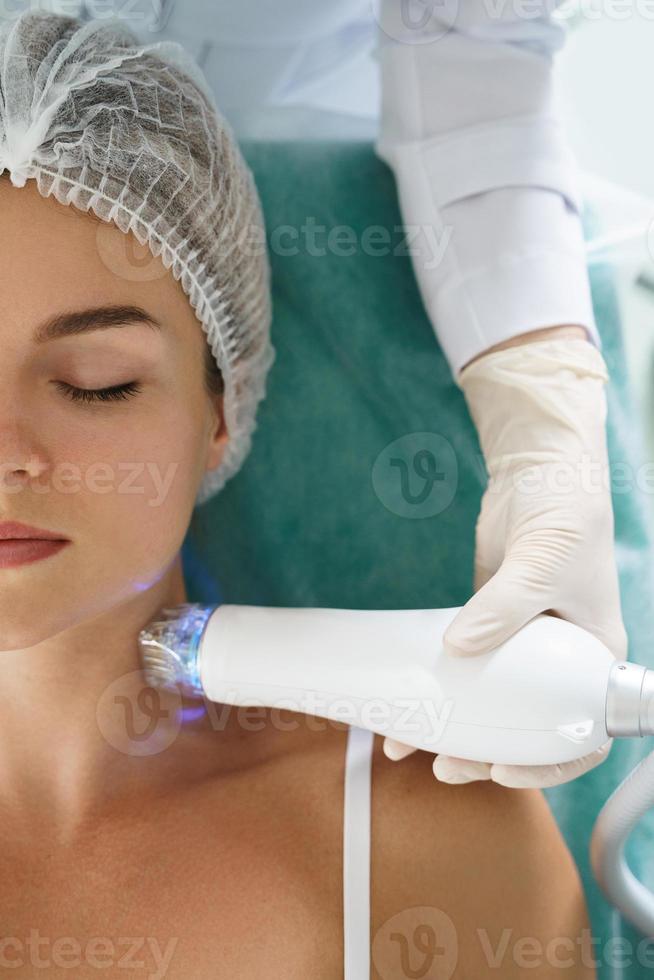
column 544, row 535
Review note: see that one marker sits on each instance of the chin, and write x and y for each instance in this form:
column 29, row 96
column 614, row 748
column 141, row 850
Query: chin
column 16, row 636
column 27, row 621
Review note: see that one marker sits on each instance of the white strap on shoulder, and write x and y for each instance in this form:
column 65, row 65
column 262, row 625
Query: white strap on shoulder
column 356, row 854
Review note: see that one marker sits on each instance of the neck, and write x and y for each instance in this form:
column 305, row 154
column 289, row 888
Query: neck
column 79, row 726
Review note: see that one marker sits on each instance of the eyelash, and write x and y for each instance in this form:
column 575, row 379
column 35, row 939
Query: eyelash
column 116, row 393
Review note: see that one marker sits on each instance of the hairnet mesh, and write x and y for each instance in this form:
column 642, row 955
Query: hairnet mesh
column 132, row 132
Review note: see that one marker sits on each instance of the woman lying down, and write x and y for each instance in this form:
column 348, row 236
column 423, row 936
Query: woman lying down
column 137, row 836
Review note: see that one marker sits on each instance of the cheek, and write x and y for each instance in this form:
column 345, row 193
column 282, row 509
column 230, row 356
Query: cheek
column 141, row 469
column 125, row 491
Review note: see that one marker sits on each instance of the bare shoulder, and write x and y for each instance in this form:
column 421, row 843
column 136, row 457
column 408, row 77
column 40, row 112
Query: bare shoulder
column 470, row 880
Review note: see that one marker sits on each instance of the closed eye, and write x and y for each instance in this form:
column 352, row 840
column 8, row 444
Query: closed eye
column 116, row 393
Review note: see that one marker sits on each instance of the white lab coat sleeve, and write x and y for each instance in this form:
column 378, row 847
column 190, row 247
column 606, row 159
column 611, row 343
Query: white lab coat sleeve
column 488, row 186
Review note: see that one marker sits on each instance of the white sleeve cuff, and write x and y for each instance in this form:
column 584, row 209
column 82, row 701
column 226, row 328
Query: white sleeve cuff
column 496, row 263
column 517, row 263
column 511, row 296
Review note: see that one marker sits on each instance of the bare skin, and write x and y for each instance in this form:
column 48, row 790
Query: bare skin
column 216, row 847
column 239, row 874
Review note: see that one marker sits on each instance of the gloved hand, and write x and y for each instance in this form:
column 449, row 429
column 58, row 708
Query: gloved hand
column 544, row 535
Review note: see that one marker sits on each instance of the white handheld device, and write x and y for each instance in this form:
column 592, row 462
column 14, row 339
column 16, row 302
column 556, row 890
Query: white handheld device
column 550, row 694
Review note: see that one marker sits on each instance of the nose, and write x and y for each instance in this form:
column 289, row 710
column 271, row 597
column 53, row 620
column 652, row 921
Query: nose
column 20, row 459
column 15, row 472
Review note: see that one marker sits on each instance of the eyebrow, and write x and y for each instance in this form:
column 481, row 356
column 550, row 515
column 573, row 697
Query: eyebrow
column 96, row 318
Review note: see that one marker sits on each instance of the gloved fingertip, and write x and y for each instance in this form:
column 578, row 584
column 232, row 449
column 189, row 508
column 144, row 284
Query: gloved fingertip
column 453, row 647
column 454, row 651
column 456, row 645
column 529, row 777
column 448, row 770
column 396, row 750
column 445, row 774
column 456, row 778
column 511, row 780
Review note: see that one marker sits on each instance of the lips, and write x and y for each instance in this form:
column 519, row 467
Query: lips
column 15, row 530
column 26, row 551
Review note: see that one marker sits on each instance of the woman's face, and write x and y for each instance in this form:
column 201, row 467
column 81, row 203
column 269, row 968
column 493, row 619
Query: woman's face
column 119, row 477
